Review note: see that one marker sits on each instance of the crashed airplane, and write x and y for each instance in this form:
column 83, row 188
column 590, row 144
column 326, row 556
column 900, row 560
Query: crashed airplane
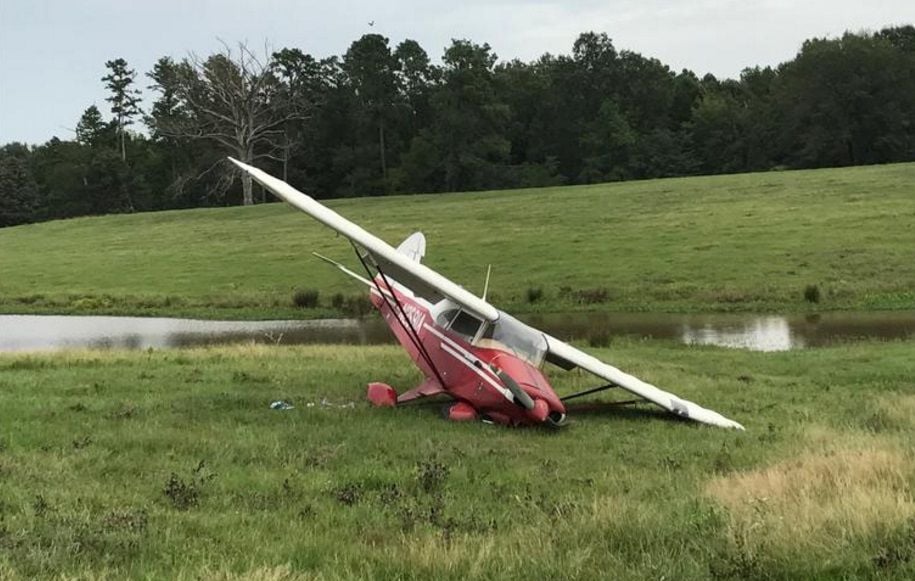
column 488, row 362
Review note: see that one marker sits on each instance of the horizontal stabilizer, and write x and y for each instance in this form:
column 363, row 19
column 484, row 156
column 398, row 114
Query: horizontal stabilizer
column 333, row 262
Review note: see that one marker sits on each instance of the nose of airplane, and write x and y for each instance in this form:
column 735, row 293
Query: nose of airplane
column 540, row 411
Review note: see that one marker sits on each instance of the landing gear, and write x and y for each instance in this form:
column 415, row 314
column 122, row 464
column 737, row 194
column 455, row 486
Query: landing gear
column 555, row 420
column 381, row 395
column 459, row 412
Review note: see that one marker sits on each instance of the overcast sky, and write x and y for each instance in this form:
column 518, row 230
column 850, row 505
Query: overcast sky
column 53, row 52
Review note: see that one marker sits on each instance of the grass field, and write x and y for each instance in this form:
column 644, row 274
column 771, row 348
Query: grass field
column 750, row 242
column 169, row 464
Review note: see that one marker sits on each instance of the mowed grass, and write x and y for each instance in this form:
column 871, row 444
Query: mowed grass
column 740, row 242
column 169, row 464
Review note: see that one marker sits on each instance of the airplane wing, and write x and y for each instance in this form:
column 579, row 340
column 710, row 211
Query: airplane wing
column 402, row 267
column 405, row 268
column 568, row 357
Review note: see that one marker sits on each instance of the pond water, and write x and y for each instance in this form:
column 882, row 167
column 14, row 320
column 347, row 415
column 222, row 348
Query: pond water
column 756, row 332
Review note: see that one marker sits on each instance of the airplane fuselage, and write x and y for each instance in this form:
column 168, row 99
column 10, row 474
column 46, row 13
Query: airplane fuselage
column 484, row 377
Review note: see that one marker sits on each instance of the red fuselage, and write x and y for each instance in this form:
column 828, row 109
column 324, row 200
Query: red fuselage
column 473, row 374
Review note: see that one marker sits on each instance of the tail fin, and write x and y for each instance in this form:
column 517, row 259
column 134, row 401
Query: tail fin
column 414, row 246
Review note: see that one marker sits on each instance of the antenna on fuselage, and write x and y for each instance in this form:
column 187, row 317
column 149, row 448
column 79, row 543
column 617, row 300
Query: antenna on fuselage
column 486, row 284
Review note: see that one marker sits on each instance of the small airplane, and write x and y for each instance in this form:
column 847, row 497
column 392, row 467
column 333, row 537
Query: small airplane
column 485, row 359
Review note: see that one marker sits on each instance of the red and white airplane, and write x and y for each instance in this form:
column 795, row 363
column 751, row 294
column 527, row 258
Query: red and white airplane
column 486, row 360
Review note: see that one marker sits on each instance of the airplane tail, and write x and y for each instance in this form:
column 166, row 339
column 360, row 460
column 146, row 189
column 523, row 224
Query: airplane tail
column 414, row 247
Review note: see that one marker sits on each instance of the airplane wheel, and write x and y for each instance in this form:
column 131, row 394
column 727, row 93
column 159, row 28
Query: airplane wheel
column 555, row 420
column 381, row 395
column 460, row 412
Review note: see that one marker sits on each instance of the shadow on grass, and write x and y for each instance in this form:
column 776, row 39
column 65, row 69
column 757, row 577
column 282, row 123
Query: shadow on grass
column 640, row 411
column 617, row 411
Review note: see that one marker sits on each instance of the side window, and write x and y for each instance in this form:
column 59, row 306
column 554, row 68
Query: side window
column 466, row 324
column 444, row 318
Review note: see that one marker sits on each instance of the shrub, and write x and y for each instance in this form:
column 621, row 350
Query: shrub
column 812, row 293
column 358, row 306
column 599, row 338
column 305, row 298
column 338, row 301
column 534, row 294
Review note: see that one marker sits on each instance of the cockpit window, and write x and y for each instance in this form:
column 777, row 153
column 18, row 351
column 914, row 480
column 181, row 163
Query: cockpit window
column 466, row 324
column 445, row 317
column 511, row 335
column 459, row 321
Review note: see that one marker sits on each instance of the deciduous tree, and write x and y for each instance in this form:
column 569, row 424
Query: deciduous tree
column 232, row 99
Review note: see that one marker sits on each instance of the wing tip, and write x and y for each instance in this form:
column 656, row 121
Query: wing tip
column 241, row 164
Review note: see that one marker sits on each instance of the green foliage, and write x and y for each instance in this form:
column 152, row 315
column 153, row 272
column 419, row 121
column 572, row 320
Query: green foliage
column 305, row 298
column 184, row 494
column 92, row 129
column 378, row 121
column 534, row 294
column 465, row 147
column 19, row 196
column 812, row 293
column 851, row 102
column 124, row 98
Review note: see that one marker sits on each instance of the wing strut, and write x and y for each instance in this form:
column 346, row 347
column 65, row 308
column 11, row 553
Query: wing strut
column 588, row 391
column 404, row 320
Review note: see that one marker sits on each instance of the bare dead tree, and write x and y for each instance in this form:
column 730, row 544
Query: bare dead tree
column 232, row 98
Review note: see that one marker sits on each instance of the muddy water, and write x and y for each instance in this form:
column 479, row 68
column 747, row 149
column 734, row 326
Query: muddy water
column 756, row 332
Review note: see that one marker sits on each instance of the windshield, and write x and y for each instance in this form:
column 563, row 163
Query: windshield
column 511, row 335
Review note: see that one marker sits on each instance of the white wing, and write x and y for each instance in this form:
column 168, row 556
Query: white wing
column 399, row 266
column 568, row 357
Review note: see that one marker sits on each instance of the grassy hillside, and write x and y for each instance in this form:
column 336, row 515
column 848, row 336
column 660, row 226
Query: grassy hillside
column 169, row 464
column 740, row 242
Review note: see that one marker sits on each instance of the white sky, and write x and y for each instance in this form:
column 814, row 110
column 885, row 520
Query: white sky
column 53, row 52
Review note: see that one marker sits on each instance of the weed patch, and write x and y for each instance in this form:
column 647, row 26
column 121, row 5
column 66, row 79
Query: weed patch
column 348, row 494
column 131, row 520
column 586, row 296
column 184, row 494
column 431, row 475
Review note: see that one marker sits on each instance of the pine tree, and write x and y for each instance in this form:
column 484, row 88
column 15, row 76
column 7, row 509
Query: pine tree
column 91, row 128
column 124, row 98
column 18, row 191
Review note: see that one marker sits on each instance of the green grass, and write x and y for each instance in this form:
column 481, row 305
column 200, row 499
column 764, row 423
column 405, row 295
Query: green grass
column 169, row 464
column 751, row 242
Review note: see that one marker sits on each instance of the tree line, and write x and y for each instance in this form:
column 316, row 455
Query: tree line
column 383, row 119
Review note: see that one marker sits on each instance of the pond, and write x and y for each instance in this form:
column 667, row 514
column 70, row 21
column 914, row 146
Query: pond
column 755, row 332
